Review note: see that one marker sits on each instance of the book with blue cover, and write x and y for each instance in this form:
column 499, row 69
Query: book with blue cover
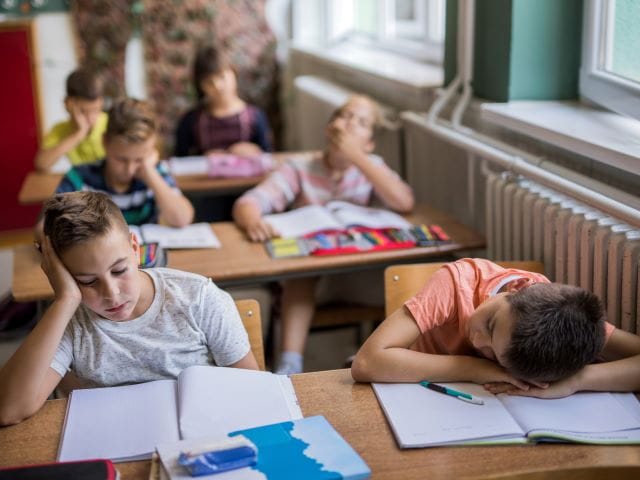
column 308, row 448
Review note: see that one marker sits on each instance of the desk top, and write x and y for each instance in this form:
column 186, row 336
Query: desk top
column 354, row 412
column 240, row 261
column 39, row 186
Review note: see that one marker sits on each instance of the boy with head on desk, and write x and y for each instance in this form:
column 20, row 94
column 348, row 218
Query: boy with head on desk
column 131, row 173
column 80, row 137
column 111, row 323
column 345, row 170
column 508, row 329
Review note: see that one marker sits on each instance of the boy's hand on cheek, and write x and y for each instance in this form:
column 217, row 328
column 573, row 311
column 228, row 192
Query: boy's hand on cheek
column 81, row 121
column 148, row 165
column 64, row 285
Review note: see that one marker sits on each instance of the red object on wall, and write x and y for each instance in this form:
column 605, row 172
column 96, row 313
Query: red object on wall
column 18, row 122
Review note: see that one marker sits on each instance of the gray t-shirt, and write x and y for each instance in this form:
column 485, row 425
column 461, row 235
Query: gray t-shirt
column 190, row 322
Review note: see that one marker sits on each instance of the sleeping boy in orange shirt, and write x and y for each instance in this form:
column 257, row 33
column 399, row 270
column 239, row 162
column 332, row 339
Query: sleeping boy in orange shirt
column 508, row 329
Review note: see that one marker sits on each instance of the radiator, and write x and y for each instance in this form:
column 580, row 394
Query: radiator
column 577, row 244
column 315, row 99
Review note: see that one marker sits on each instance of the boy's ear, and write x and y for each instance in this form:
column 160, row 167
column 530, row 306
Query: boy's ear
column 518, row 284
column 67, row 104
column 135, row 245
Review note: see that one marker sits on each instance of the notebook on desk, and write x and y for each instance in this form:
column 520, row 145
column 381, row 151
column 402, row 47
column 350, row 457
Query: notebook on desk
column 424, row 418
column 126, row 423
column 196, row 235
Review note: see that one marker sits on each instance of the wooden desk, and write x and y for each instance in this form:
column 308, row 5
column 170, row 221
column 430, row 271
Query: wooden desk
column 39, row 186
column 240, row 262
column 354, row 412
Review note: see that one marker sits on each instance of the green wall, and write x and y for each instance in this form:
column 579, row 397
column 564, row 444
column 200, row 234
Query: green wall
column 524, row 49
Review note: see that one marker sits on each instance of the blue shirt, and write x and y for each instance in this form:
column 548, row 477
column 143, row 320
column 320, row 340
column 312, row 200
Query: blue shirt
column 138, row 203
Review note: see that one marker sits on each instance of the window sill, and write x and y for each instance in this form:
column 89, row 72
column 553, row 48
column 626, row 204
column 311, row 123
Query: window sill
column 386, row 65
column 598, row 134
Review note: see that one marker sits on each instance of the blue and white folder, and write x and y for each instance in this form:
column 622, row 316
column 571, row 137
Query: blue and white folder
column 308, row 448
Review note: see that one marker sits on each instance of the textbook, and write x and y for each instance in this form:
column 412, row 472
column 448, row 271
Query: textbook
column 224, row 165
column 423, row 418
column 126, row 423
column 334, row 216
column 308, row 448
column 196, row 235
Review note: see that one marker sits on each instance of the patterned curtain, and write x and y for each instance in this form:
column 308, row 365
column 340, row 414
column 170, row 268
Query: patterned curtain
column 104, row 28
column 171, row 29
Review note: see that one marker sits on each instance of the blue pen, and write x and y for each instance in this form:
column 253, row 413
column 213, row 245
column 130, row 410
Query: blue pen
column 450, row 391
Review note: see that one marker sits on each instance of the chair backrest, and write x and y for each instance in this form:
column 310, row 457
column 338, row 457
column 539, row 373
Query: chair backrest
column 249, row 311
column 401, row 282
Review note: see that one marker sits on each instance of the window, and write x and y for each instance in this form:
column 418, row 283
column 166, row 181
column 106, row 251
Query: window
column 610, row 73
column 410, row 27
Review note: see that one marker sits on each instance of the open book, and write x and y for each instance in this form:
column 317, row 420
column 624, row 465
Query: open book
column 196, row 235
column 424, row 418
column 305, row 448
column 126, row 423
column 335, row 215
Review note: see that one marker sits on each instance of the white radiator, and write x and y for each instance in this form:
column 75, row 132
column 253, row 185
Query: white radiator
column 577, row 244
column 315, row 99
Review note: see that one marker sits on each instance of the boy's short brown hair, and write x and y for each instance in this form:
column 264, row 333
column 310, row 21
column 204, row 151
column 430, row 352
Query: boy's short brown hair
column 132, row 119
column 558, row 329
column 210, row 59
column 85, row 83
column 73, row 218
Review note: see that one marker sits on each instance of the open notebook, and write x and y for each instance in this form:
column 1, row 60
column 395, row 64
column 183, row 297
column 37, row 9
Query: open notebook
column 126, row 423
column 335, row 215
column 424, row 418
column 196, row 235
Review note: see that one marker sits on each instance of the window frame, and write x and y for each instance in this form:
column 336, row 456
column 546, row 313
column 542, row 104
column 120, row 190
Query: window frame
column 596, row 84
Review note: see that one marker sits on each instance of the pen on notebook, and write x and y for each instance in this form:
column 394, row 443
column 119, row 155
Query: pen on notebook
column 454, row 393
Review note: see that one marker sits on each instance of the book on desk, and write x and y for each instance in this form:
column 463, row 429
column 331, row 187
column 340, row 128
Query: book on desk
column 126, row 423
column 196, row 235
column 341, row 228
column 423, row 418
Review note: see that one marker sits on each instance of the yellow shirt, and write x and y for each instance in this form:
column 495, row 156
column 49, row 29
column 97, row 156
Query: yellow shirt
column 89, row 150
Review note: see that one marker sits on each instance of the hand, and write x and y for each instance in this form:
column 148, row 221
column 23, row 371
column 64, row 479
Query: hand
column 344, row 143
column 562, row 388
column 82, row 122
column 245, row 149
column 259, row 231
column 486, row 372
column 64, row 285
column 148, row 165
column 503, row 387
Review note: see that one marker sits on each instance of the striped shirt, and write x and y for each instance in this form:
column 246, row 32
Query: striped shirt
column 305, row 179
column 138, row 203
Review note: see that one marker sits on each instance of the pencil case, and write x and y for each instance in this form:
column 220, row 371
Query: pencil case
column 152, row 255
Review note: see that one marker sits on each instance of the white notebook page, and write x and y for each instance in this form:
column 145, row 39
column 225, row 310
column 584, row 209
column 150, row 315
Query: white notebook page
column 215, row 400
column 587, row 412
column 302, row 221
column 420, row 417
column 355, row 215
column 196, row 235
column 119, row 423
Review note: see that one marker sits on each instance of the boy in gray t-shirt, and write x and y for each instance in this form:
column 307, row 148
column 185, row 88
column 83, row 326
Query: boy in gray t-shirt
column 110, row 323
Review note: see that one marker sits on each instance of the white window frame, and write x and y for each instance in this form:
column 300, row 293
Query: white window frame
column 604, row 88
column 335, row 17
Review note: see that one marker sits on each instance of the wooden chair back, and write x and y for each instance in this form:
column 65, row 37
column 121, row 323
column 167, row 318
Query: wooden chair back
column 401, row 282
column 249, row 311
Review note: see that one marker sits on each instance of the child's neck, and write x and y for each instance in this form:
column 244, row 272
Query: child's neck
column 147, row 292
column 225, row 107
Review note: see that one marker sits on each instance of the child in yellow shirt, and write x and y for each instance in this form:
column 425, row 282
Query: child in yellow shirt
column 80, row 137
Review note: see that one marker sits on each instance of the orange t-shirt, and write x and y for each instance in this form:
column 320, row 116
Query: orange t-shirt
column 443, row 307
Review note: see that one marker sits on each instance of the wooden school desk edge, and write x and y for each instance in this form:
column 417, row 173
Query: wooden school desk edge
column 354, row 412
column 39, row 186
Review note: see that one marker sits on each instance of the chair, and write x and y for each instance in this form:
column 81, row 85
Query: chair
column 401, row 282
column 249, row 311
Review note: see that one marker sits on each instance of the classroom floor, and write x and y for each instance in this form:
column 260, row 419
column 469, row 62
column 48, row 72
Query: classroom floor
column 326, row 350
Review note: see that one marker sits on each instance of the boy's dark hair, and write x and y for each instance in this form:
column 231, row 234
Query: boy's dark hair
column 558, row 329
column 86, row 84
column 210, row 59
column 76, row 217
column 133, row 119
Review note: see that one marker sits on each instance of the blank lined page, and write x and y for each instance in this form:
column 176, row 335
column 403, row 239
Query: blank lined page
column 119, row 423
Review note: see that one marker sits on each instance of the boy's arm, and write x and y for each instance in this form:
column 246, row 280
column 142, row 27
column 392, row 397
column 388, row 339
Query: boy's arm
column 27, row 379
column 46, row 157
column 386, row 357
column 175, row 209
column 248, row 362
